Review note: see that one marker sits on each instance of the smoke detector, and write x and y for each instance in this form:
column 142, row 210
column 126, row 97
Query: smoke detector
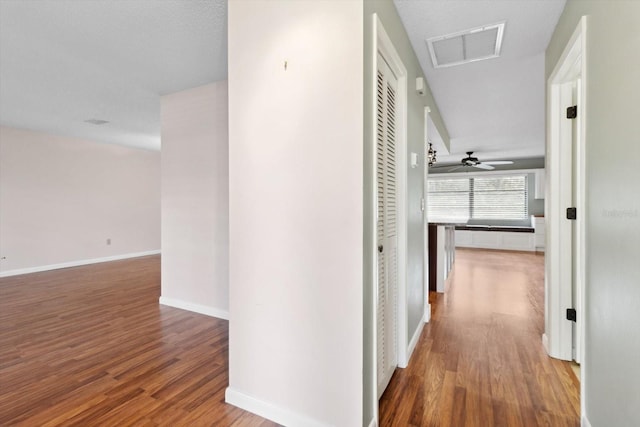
column 475, row 44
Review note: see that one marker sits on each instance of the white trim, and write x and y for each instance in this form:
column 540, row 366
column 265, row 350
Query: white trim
column 570, row 69
column 415, row 339
column 374, row 209
column 585, row 421
column 268, row 410
column 196, row 308
column 373, row 230
column 76, row 263
column 545, row 342
column 373, row 423
column 581, row 225
column 581, row 163
column 425, row 219
column 383, row 45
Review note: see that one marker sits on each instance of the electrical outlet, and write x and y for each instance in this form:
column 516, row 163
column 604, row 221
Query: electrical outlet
column 108, row 241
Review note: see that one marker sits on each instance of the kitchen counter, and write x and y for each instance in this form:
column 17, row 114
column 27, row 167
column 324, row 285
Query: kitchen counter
column 510, row 229
column 442, row 250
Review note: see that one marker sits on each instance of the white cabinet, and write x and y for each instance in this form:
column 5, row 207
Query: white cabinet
column 442, row 254
column 540, row 183
column 539, row 234
column 487, row 239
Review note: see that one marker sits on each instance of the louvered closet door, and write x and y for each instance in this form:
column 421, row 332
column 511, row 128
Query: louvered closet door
column 386, row 223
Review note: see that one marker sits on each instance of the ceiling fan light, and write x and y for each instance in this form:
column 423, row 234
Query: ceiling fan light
column 431, row 156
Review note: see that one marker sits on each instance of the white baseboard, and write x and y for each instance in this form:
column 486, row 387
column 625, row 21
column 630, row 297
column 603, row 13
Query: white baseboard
column 427, row 313
column 268, row 410
column 414, row 341
column 585, row 422
column 196, row 308
column 545, row 342
column 75, row 263
column 373, row 422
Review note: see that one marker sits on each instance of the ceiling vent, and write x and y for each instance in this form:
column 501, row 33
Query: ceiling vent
column 97, row 122
column 466, row 46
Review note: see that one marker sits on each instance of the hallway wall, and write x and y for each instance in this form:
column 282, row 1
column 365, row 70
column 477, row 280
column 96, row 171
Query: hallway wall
column 195, row 200
column 295, row 169
column 610, row 367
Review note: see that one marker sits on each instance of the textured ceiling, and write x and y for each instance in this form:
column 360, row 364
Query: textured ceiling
column 494, row 107
column 65, row 61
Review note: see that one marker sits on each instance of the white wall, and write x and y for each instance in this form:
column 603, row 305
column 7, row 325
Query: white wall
column 195, row 199
column 612, row 295
column 296, row 212
column 62, row 198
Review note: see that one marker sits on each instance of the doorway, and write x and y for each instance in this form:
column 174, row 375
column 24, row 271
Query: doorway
column 565, row 207
column 390, row 175
column 386, row 222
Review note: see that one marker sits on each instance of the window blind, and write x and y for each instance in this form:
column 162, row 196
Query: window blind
column 493, row 197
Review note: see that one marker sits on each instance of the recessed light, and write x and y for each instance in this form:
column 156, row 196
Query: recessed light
column 96, row 121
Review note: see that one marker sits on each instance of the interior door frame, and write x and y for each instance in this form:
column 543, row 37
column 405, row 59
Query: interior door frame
column 569, row 70
column 425, row 219
column 382, row 44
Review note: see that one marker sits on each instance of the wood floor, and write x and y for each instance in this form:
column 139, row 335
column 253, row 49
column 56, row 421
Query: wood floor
column 480, row 361
column 90, row 346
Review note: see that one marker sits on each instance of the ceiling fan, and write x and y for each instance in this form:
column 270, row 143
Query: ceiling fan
column 471, row 161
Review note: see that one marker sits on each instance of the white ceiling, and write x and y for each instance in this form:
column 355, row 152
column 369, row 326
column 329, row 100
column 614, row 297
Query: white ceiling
column 65, row 61
column 494, row 107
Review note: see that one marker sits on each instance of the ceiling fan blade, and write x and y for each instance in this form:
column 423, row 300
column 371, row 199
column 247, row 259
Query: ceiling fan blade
column 484, row 166
column 499, row 162
column 455, row 168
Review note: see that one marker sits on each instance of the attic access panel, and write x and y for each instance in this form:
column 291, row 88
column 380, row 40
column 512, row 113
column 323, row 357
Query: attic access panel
column 475, row 44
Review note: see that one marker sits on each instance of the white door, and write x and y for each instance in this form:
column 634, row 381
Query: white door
column 571, row 191
column 386, row 223
column 565, row 171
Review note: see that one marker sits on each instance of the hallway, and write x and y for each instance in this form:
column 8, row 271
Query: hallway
column 480, row 361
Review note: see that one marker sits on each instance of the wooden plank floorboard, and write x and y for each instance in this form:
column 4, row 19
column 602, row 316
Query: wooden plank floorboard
column 480, row 361
column 91, row 346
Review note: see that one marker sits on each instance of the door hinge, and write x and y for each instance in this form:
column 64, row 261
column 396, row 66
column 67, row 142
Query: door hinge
column 572, row 315
column 572, row 112
column 572, row 213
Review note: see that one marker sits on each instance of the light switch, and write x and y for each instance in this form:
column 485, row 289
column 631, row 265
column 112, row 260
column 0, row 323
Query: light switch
column 414, row 160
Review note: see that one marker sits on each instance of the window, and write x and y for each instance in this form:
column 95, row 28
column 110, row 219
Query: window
column 449, row 199
column 491, row 197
